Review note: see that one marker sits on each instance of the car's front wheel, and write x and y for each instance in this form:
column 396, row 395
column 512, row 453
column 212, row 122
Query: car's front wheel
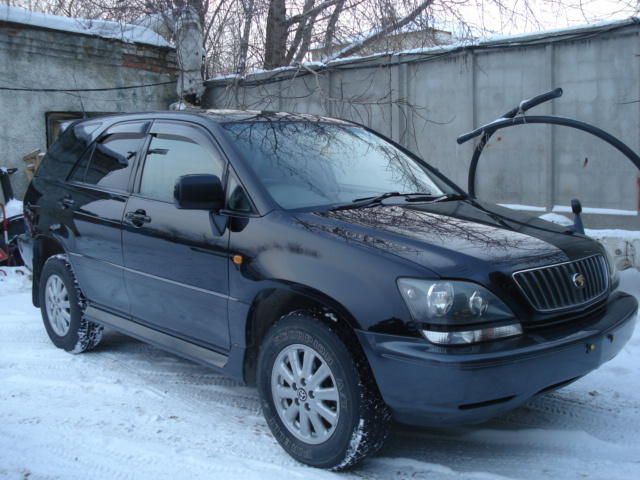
column 317, row 393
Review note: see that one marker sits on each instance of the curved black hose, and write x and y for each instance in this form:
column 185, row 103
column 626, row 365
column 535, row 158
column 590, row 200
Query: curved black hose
column 548, row 119
column 523, row 107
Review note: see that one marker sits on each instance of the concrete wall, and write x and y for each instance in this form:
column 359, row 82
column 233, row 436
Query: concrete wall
column 426, row 100
column 39, row 58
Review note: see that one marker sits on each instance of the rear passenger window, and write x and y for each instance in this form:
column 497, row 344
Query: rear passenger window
column 109, row 163
column 172, row 155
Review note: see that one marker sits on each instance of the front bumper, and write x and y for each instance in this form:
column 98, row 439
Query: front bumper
column 428, row 385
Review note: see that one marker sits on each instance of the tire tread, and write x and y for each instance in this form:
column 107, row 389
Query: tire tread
column 373, row 425
column 89, row 333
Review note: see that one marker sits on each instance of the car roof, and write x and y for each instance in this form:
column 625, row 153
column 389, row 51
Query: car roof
column 219, row 116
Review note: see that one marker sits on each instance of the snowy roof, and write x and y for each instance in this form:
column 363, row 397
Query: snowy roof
column 99, row 28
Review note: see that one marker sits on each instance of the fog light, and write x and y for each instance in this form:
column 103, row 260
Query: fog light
column 467, row 337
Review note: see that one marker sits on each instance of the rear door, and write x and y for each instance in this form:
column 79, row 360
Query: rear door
column 176, row 261
column 97, row 192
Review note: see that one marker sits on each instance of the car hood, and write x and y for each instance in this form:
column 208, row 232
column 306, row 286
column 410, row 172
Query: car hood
column 456, row 238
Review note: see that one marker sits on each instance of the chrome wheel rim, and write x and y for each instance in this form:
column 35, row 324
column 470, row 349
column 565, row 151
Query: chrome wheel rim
column 305, row 394
column 57, row 304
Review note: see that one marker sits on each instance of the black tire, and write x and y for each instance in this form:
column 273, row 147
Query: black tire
column 82, row 334
column 363, row 419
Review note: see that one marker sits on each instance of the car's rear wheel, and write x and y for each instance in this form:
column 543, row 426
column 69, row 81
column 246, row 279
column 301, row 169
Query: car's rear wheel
column 62, row 307
column 317, row 393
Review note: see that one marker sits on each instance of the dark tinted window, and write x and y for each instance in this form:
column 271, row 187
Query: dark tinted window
column 306, row 164
column 65, row 152
column 237, row 199
column 80, row 171
column 111, row 161
column 171, row 156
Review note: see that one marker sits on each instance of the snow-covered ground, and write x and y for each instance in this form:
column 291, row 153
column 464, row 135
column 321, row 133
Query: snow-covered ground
column 128, row 410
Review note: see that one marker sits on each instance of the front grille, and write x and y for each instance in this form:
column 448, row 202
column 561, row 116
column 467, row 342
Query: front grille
column 556, row 287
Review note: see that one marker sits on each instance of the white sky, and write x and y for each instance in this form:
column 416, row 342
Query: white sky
column 518, row 16
column 514, row 16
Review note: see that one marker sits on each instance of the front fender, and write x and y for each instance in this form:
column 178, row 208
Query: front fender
column 360, row 280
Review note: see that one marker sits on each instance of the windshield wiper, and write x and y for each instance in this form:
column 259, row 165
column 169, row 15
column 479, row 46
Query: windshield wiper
column 445, row 197
column 409, row 197
column 367, row 201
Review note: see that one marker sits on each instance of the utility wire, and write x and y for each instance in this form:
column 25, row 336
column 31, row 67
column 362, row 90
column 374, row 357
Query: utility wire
column 67, row 90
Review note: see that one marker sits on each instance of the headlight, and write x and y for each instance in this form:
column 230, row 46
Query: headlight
column 457, row 313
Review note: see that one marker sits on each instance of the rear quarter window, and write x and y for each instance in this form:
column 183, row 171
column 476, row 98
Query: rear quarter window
column 67, row 150
column 109, row 163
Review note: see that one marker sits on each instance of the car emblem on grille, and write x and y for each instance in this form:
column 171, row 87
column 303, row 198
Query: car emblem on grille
column 579, row 280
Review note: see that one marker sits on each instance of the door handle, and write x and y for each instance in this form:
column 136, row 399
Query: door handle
column 138, row 218
column 66, row 202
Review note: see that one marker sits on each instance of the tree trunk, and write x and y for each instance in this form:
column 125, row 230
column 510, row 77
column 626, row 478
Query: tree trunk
column 300, row 32
column 306, row 40
column 330, row 34
column 276, row 35
column 241, row 65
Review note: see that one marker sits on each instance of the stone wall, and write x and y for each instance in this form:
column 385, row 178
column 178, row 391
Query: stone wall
column 40, row 58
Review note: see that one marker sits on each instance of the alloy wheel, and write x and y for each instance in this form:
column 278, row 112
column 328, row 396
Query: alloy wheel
column 305, row 394
column 57, row 305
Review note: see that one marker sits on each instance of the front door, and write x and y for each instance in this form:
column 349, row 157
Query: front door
column 176, row 262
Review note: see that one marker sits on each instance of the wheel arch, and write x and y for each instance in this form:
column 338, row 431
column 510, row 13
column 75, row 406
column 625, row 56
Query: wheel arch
column 44, row 247
column 271, row 304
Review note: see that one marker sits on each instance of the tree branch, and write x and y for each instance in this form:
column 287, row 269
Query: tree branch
column 357, row 46
column 311, row 12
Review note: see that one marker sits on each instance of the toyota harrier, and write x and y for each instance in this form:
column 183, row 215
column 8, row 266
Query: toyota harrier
column 347, row 279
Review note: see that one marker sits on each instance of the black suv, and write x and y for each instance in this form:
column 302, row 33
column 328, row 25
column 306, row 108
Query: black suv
column 346, row 278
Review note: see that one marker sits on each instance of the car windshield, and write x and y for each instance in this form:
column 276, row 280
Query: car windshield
column 305, row 164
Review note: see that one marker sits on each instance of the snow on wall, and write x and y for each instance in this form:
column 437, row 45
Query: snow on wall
column 622, row 245
column 100, row 28
column 437, row 49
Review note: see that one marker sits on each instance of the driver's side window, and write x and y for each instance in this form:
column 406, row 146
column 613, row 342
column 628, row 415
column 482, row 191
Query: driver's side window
column 172, row 154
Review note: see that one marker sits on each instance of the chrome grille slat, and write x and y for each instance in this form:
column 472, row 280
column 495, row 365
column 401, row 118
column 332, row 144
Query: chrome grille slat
column 539, row 278
column 566, row 272
column 604, row 272
column 560, row 285
column 595, row 267
column 552, row 288
column 530, row 288
column 592, row 268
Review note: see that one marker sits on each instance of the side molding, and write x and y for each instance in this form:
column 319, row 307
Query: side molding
column 179, row 347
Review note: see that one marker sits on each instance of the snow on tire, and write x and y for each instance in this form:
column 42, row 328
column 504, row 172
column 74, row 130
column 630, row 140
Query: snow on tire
column 62, row 305
column 297, row 347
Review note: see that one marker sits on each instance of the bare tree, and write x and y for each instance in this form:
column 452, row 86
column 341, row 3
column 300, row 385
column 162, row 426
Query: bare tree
column 385, row 30
column 241, row 36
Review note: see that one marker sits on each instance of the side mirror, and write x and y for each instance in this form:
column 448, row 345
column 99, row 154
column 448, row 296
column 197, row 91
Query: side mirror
column 199, row 192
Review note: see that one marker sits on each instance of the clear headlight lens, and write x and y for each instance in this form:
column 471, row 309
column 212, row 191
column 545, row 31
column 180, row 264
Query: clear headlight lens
column 457, row 313
column 440, row 299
